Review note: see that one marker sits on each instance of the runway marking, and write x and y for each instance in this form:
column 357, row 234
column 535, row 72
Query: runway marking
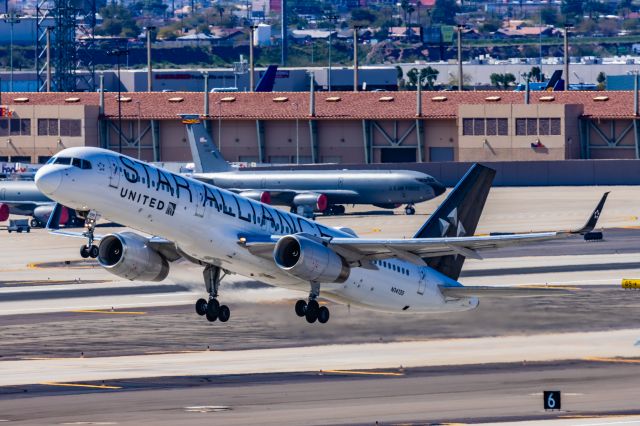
column 106, row 311
column 637, row 421
column 614, row 360
column 77, row 385
column 90, row 423
column 363, row 373
column 206, row 408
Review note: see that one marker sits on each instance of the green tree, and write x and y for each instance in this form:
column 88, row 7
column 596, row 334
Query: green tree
column 601, row 79
column 430, row 75
column 496, row 79
column 572, row 9
column 117, row 22
column 360, row 16
column 502, row 81
column 549, row 16
column 536, row 74
column 444, row 12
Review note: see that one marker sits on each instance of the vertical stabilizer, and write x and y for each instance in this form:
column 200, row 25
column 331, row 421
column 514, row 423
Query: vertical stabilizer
column 268, row 79
column 458, row 216
column 206, row 157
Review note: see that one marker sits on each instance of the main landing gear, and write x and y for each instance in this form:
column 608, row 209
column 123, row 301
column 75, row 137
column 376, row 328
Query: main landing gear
column 334, row 210
column 212, row 309
column 312, row 310
column 409, row 210
column 90, row 249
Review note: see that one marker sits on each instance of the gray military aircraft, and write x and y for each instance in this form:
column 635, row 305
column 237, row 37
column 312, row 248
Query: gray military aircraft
column 309, row 191
column 22, row 197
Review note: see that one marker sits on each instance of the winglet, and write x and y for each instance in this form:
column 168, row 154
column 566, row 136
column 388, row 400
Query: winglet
column 593, row 219
column 54, row 219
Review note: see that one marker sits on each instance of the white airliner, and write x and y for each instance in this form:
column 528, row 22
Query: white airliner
column 227, row 233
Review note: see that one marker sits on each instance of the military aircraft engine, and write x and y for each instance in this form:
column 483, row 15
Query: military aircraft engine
column 310, row 260
column 316, row 202
column 4, row 212
column 262, row 196
column 129, row 256
column 41, row 215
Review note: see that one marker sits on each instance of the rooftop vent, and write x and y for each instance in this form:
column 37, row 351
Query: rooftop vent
column 333, row 99
column 21, row 100
column 492, row 98
column 386, row 99
column 228, row 99
column 601, row 98
column 547, row 98
column 176, row 99
column 123, row 99
column 72, row 100
column 280, row 99
column 439, row 99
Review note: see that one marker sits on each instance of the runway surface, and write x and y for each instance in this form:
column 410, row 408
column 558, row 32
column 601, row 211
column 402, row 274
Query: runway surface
column 70, row 323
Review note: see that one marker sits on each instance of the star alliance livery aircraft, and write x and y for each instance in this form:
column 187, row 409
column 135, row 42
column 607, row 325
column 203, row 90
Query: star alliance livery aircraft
column 227, row 233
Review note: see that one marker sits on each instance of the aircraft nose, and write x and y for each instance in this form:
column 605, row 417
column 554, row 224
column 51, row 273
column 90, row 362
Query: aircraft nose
column 438, row 188
column 48, row 180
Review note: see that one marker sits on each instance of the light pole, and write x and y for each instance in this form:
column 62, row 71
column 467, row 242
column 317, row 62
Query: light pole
column 460, row 74
column 149, row 70
column 118, row 53
column 139, row 133
column 219, row 126
column 297, row 135
column 252, row 29
column 332, row 19
column 355, row 57
column 11, row 18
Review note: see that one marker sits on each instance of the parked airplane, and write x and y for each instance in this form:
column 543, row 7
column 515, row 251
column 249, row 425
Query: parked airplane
column 265, row 84
column 309, row 191
column 227, row 233
column 22, row 197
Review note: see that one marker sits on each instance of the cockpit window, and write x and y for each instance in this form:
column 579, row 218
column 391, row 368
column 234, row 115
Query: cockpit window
column 66, row 161
column 51, row 160
column 85, row 164
column 75, row 162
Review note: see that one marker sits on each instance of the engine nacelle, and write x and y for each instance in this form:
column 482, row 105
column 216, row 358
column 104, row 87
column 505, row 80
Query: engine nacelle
column 262, row 196
column 42, row 214
column 128, row 255
column 316, row 202
column 310, row 260
column 4, row 212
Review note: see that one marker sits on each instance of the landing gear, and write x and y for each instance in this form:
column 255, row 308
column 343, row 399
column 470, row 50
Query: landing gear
column 409, row 210
column 212, row 309
column 35, row 223
column 311, row 310
column 335, row 210
column 90, row 249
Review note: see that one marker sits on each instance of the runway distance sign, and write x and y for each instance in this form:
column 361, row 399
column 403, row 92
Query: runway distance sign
column 551, row 400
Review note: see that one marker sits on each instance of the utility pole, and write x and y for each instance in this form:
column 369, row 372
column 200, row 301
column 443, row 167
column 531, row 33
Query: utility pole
column 149, row 70
column 11, row 18
column 460, row 74
column 252, row 30
column 566, row 57
column 355, row 57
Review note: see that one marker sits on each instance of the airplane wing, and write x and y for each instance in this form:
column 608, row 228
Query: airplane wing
column 359, row 251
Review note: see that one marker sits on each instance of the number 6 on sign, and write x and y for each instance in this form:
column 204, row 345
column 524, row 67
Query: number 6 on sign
column 551, row 400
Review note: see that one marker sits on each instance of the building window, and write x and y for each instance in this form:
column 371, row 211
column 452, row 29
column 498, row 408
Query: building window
column 478, row 126
column 544, row 126
column 467, row 126
column 70, row 127
column 47, row 127
column 492, row 126
column 4, row 127
column 556, row 128
column 538, row 126
column 503, row 127
column 19, row 126
column 485, row 127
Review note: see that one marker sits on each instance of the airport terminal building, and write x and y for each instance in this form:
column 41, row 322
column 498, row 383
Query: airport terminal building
column 329, row 127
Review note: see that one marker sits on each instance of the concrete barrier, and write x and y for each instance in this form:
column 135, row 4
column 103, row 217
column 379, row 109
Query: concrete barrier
column 515, row 173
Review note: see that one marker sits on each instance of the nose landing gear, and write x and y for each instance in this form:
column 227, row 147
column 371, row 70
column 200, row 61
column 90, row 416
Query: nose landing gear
column 410, row 210
column 212, row 309
column 312, row 311
column 90, row 249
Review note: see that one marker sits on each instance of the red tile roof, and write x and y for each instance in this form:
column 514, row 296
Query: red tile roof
column 344, row 105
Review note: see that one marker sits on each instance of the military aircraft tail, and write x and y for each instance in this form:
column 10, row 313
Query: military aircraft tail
column 206, row 157
column 458, row 216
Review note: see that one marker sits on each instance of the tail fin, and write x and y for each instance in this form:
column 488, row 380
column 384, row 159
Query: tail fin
column 554, row 80
column 206, row 156
column 458, row 216
column 268, row 79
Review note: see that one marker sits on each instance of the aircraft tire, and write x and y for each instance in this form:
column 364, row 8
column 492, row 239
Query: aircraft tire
column 84, row 252
column 211, row 318
column 224, row 313
column 311, row 314
column 213, row 306
column 94, row 251
column 34, row 223
column 201, row 307
column 323, row 315
column 410, row 211
column 301, row 308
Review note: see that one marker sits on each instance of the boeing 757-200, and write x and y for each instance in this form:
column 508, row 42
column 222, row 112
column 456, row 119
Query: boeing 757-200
column 227, row 233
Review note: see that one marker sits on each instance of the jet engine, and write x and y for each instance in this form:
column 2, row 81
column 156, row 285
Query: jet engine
column 262, row 196
column 4, row 212
column 129, row 256
column 41, row 215
column 315, row 202
column 310, row 260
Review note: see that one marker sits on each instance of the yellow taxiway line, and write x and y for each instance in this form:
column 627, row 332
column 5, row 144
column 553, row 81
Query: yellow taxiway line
column 363, row 373
column 77, row 385
column 105, row 311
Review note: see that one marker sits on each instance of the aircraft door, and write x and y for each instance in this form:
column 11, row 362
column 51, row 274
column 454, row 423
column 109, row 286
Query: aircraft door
column 200, row 201
column 114, row 172
column 422, row 284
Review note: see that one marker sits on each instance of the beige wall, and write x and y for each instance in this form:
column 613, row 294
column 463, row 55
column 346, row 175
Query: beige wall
column 512, row 147
column 34, row 146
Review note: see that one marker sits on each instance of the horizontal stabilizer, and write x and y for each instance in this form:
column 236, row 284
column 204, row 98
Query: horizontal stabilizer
column 520, row 291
